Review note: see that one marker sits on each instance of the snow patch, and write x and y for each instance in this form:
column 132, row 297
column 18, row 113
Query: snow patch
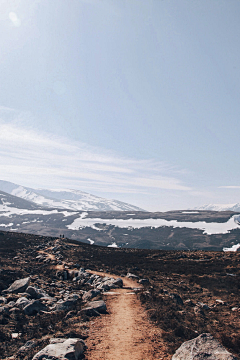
column 207, row 228
column 9, row 211
column 113, row 245
column 6, row 225
column 190, row 212
column 91, row 241
column 233, row 248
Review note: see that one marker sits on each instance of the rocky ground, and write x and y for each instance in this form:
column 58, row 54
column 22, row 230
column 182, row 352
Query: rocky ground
column 185, row 294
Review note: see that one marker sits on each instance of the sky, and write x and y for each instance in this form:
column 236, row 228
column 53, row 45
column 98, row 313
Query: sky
column 131, row 100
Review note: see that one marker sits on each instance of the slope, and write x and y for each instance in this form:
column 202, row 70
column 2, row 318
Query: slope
column 66, row 199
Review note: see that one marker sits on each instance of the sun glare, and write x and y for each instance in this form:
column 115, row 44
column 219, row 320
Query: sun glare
column 14, row 19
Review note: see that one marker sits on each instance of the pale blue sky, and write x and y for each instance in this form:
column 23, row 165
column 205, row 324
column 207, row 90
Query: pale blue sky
column 136, row 100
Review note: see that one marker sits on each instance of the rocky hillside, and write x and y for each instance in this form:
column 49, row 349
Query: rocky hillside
column 47, row 297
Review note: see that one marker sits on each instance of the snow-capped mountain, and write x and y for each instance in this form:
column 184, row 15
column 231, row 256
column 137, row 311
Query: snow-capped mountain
column 220, row 207
column 66, row 199
column 10, row 201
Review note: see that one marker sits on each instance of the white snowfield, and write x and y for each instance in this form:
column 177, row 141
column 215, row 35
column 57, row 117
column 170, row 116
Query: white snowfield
column 9, row 211
column 208, row 228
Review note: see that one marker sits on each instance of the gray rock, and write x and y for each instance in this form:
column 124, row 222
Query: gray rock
column 132, row 276
column 22, row 302
column 198, row 311
column 203, row 306
column 116, row 282
column 11, row 304
column 89, row 312
column 202, row 347
column 4, row 310
column 99, row 306
column 19, row 285
column 65, row 275
column 177, row 298
column 72, row 274
column 36, row 293
column 15, row 311
column 27, row 346
column 3, row 300
column 64, row 305
column 143, row 281
column 70, row 349
column 35, row 307
column 73, row 296
column 189, row 302
column 70, row 314
column 104, row 287
column 90, row 294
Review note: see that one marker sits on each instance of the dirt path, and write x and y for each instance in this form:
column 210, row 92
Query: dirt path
column 124, row 333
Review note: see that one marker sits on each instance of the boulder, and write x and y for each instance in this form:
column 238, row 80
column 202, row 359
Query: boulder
column 118, row 282
column 19, row 286
column 34, row 307
column 62, row 349
column 68, row 303
column 94, row 308
column 202, row 347
column 90, row 294
column 99, row 306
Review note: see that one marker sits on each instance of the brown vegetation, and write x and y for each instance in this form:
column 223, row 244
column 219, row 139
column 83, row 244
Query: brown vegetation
column 207, row 282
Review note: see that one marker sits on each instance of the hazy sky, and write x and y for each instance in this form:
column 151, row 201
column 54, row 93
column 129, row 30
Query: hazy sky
column 137, row 100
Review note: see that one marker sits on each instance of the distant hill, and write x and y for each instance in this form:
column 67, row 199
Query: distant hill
column 220, row 207
column 66, row 199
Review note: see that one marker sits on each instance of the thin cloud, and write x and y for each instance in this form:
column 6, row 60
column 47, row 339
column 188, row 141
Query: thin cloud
column 229, row 187
column 48, row 160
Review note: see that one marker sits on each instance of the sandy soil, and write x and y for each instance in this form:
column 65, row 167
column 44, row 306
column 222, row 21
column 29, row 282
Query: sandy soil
column 124, row 333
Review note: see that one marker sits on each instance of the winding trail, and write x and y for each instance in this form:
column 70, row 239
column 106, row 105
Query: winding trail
column 125, row 332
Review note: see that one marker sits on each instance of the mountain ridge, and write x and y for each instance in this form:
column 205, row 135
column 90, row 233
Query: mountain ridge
column 69, row 199
column 219, row 207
